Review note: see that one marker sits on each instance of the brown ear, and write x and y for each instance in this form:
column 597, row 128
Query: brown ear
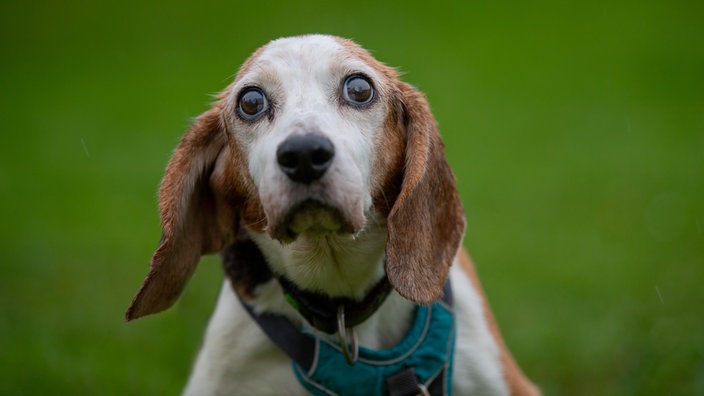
column 426, row 222
column 191, row 206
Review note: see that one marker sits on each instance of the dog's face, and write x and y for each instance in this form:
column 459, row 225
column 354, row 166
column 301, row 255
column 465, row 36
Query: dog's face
column 313, row 138
column 309, row 115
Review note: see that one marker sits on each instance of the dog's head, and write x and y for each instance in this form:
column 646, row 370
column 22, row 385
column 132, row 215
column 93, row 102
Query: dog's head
column 314, row 137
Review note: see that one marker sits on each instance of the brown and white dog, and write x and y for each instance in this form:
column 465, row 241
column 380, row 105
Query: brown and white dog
column 318, row 159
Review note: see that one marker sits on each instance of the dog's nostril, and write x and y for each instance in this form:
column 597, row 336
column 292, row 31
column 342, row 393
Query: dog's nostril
column 288, row 159
column 321, row 156
column 304, row 159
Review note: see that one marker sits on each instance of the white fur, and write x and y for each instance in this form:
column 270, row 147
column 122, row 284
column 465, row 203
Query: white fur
column 302, row 77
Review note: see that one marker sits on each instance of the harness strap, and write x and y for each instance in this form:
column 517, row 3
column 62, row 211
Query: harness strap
column 405, row 383
column 280, row 330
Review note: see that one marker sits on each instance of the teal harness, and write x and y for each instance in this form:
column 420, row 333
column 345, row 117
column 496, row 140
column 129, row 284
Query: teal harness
column 420, row 364
column 426, row 351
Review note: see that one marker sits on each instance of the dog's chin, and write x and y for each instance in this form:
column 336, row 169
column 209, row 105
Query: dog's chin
column 312, row 219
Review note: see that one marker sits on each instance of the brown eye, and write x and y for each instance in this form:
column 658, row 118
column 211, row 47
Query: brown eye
column 252, row 103
column 358, row 90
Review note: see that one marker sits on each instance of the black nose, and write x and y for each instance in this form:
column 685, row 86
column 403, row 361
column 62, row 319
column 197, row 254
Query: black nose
column 305, row 158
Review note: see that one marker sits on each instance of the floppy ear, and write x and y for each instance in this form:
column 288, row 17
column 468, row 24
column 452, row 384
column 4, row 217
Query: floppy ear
column 426, row 222
column 195, row 218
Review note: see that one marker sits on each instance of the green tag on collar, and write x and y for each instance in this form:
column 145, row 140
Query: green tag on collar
column 292, row 301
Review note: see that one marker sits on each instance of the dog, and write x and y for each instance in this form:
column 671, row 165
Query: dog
column 320, row 178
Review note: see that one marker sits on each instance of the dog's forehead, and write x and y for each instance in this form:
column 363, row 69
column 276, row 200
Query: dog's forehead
column 301, row 51
column 312, row 56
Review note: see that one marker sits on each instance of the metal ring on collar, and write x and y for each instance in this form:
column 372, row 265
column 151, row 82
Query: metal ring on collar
column 350, row 356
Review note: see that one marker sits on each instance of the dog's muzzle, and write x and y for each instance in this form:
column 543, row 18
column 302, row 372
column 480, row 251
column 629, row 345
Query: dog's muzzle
column 309, row 208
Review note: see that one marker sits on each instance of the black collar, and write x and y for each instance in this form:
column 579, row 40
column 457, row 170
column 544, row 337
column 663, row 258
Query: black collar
column 321, row 311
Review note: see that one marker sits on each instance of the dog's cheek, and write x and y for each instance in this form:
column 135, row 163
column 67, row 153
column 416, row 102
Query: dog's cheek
column 258, row 160
column 274, row 200
column 387, row 165
column 254, row 217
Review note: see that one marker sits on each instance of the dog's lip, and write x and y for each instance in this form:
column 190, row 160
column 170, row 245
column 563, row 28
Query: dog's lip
column 311, row 217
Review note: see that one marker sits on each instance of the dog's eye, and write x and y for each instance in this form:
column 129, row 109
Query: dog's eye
column 358, row 90
column 252, row 103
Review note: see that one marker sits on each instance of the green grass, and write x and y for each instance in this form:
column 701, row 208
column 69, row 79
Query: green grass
column 576, row 132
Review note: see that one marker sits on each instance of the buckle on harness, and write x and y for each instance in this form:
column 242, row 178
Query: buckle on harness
column 350, row 356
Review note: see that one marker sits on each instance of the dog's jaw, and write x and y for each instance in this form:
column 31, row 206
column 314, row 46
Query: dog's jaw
column 314, row 219
column 330, row 206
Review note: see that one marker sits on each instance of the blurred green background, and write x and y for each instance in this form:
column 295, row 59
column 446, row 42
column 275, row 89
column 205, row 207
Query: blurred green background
column 576, row 131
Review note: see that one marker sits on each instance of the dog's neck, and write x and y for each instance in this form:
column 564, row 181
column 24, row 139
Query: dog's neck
column 337, row 266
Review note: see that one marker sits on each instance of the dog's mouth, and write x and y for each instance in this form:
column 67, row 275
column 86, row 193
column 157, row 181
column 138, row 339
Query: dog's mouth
column 311, row 218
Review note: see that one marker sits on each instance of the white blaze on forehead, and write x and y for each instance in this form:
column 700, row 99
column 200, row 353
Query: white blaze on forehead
column 312, row 58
